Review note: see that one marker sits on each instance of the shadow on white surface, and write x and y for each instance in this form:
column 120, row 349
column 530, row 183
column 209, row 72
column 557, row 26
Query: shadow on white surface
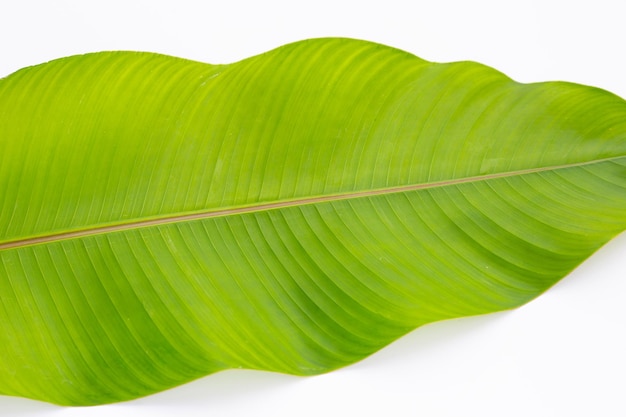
column 22, row 407
column 225, row 387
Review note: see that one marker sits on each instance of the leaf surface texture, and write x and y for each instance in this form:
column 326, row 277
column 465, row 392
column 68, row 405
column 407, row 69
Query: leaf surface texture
column 163, row 219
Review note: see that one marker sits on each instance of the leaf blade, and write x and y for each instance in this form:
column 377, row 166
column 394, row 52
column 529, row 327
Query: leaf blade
column 308, row 286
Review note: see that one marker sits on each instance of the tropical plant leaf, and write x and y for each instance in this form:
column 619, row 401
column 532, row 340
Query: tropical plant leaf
column 163, row 219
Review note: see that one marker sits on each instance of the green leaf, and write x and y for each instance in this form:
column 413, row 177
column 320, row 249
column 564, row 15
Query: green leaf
column 163, row 219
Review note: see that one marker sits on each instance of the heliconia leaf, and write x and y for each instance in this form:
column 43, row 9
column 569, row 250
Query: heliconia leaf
column 163, row 219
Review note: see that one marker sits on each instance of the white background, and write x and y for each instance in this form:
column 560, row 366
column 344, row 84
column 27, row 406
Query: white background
column 560, row 355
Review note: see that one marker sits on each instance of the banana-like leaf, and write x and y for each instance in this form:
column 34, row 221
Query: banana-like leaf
column 163, row 219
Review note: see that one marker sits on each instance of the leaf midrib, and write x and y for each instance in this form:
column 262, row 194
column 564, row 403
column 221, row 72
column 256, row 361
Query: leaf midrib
column 273, row 205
